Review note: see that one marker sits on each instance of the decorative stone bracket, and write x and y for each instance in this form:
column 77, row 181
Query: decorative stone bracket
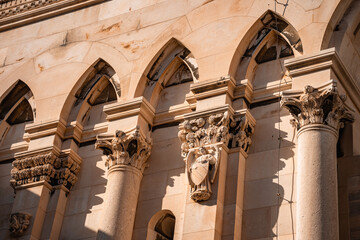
column 217, row 128
column 19, row 222
column 201, row 140
column 125, row 149
column 47, row 167
column 317, row 106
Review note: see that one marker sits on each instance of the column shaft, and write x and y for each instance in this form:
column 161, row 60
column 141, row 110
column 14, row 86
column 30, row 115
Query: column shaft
column 317, row 198
column 122, row 192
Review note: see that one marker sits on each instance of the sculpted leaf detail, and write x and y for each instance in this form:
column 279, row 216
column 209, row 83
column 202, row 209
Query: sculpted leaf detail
column 318, row 107
column 125, row 149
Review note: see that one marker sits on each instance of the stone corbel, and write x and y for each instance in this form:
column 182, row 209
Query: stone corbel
column 132, row 148
column 19, row 222
column 322, row 105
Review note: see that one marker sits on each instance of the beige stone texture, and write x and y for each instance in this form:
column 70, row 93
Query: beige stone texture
column 104, row 67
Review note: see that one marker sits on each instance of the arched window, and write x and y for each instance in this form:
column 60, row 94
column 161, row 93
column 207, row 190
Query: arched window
column 17, row 107
column 161, row 226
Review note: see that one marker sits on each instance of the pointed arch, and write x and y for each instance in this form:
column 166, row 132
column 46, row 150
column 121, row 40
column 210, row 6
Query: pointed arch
column 17, row 105
column 345, row 18
column 173, row 64
column 269, row 26
column 98, row 85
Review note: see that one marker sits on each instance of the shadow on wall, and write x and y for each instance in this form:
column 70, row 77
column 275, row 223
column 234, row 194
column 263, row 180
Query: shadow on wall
column 84, row 206
column 269, row 184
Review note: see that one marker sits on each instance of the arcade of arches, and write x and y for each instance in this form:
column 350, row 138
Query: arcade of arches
column 179, row 119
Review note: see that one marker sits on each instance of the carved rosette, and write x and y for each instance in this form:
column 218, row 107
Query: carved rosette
column 19, row 222
column 318, row 107
column 125, row 149
column 201, row 138
column 45, row 167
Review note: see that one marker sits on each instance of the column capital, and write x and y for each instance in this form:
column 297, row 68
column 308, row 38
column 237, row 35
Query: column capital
column 203, row 136
column 233, row 129
column 322, row 105
column 53, row 168
column 125, row 148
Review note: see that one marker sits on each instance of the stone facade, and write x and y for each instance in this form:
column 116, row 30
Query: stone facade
column 179, row 119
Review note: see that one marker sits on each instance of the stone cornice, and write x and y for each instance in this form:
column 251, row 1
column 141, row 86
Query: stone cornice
column 211, row 88
column 17, row 13
column 326, row 59
column 43, row 129
column 322, row 105
column 128, row 149
column 137, row 106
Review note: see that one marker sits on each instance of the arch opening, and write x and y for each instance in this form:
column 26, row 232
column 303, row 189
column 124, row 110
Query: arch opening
column 169, row 77
column 161, row 226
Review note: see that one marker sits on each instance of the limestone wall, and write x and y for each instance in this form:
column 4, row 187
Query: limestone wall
column 221, row 63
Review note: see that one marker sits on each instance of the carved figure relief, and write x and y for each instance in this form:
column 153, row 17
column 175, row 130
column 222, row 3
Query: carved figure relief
column 200, row 149
column 202, row 166
column 318, row 107
column 125, row 149
column 45, row 167
column 19, row 222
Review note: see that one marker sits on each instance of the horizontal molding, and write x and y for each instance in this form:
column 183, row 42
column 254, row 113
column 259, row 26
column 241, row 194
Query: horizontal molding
column 16, row 13
column 326, row 59
column 43, row 129
column 130, row 108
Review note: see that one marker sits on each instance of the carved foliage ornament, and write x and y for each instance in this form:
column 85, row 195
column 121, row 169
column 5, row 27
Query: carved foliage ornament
column 318, row 107
column 44, row 167
column 217, row 128
column 125, row 149
column 200, row 149
column 19, row 222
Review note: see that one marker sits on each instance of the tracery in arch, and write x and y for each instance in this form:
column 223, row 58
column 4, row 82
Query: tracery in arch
column 262, row 61
column 169, row 76
column 98, row 86
column 17, row 107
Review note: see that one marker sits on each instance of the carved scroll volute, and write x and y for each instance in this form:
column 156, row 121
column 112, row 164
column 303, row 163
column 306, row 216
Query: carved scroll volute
column 318, row 107
column 131, row 149
column 19, row 222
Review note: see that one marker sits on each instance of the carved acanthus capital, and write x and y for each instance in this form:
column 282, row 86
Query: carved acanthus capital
column 45, row 167
column 203, row 131
column 232, row 131
column 125, row 149
column 19, row 222
column 316, row 106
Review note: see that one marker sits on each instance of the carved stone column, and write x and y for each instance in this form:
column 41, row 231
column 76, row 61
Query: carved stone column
column 127, row 154
column 318, row 115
